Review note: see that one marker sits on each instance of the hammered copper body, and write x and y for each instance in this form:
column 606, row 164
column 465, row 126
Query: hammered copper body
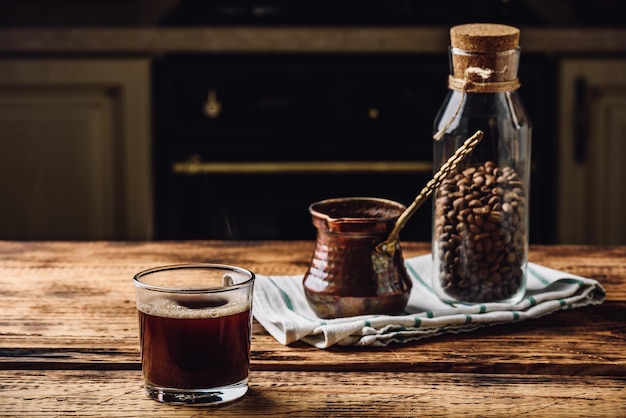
column 346, row 276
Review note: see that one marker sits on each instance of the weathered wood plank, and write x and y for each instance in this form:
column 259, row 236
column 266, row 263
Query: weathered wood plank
column 119, row 393
column 272, row 257
column 555, row 344
column 267, row 257
column 119, row 259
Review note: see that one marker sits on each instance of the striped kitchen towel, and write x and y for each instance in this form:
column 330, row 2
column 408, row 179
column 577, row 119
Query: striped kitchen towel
column 281, row 307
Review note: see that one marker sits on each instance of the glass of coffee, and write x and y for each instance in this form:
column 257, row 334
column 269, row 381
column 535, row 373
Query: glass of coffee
column 195, row 325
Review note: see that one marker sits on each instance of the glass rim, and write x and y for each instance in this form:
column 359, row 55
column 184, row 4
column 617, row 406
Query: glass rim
column 166, row 289
column 320, row 208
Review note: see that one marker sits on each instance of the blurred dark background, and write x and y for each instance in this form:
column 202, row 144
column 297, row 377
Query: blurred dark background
column 554, row 13
column 208, row 129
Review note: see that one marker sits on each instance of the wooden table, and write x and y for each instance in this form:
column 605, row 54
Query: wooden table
column 69, row 343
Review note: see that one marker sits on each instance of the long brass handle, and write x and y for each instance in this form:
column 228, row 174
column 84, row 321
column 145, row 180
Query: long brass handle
column 195, row 166
column 389, row 245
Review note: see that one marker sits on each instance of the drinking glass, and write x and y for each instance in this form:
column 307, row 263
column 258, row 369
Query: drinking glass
column 195, row 329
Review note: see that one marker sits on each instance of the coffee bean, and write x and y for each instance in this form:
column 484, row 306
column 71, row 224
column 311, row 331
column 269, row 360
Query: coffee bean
column 469, row 171
column 495, row 216
column 481, row 233
column 483, row 210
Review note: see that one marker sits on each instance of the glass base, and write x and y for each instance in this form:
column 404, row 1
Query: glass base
column 204, row 397
column 513, row 299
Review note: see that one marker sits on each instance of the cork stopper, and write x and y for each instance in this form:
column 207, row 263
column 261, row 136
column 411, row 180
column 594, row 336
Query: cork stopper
column 484, row 52
column 484, row 37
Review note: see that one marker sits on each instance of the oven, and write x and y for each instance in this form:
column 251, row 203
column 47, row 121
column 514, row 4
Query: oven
column 243, row 144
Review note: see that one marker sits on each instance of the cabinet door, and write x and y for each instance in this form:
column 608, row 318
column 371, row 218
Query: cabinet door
column 592, row 155
column 74, row 149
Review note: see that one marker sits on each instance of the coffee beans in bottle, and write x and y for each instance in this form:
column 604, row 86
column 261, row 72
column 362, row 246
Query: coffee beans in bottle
column 480, row 216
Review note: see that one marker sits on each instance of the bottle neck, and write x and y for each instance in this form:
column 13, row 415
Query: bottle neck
column 483, row 72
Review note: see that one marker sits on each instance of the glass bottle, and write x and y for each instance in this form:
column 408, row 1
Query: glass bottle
column 480, row 211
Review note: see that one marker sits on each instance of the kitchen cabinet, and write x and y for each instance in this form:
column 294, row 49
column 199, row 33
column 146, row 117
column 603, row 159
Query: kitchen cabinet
column 88, row 88
column 592, row 154
column 75, row 149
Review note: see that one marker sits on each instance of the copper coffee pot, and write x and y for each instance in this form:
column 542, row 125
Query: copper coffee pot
column 357, row 266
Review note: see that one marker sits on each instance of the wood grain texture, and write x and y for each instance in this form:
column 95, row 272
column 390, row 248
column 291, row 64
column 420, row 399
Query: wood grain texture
column 259, row 39
column 69, row 343
column 312, row 394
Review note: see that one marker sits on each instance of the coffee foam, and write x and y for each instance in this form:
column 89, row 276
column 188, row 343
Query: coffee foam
column 170, row 308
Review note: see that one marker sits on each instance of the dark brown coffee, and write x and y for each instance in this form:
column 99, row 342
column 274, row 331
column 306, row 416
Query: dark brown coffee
column 195, row 343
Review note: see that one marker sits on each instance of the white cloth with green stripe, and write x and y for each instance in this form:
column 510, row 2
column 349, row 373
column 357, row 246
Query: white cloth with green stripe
column 280, row 305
